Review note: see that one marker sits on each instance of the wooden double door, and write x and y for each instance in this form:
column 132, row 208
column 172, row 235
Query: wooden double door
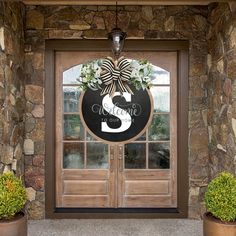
column 139, row 174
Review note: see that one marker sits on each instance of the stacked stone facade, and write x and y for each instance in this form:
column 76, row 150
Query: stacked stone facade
column 140, row 22
column 222, row 89
column 12, row 102
column 211, row 33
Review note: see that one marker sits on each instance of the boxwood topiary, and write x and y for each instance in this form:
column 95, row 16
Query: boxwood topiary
column 12, row 195
column 220, row 197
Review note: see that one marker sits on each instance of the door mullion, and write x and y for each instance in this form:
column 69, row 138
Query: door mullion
column 120, row 172
column 113, row 176
column 117, row 191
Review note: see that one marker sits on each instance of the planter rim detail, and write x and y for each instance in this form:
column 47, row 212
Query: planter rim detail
column 209, row 216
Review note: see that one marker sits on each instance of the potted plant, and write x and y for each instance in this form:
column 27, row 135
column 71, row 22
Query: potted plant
column 220, row 200
column 13, row 221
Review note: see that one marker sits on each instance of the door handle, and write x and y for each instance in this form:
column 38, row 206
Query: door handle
column 112, row 158
column 120, row 157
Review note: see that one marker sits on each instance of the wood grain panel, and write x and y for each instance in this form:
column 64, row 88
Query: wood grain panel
column 117, row 186
column 146, row 187
column 146, row 174
column 147, row 201
column 85, row 174
column 154, row 187
column 85, row 187
column 85, row 201
column 78, row 187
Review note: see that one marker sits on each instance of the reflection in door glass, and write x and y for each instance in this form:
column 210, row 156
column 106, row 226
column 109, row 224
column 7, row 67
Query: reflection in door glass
column 71, row 75
column 142, row 137
column 73, row 156
column 161, row 97
column 160, row 128
column 159, row 155
column 73, row 128
column 90, row 137
column 135, row 156
column 71, row 98
column 160, row 76
column 97, row 156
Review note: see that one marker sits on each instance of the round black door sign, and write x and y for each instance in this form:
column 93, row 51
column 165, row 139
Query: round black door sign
column 119, row 118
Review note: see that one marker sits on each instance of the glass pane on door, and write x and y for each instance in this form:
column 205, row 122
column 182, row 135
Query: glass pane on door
column 159, row 156
column 85, row 152
column 97, row 156
column 73, row 156
column 161, row 97
column 160, row 76
column 152, row 149
column 71, row 98
column 160, row 128
column 73, row 129
column 135, row 156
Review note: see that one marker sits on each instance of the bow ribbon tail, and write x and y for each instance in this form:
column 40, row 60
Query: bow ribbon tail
column 110, row 89
column 124, row 87
column 128, row 89
column 107, row 80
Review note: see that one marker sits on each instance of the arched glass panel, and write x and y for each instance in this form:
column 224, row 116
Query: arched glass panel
column 150, row 151
column 71, row 75
column 154, row 144
column 80, row 150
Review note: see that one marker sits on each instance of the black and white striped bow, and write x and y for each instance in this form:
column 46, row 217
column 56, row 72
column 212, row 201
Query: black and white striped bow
column 116, row 76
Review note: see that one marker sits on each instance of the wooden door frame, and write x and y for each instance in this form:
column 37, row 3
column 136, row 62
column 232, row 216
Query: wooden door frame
column 182, row 47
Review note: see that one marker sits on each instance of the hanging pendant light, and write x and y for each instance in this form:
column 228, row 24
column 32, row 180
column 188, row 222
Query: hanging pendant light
column 117, row 38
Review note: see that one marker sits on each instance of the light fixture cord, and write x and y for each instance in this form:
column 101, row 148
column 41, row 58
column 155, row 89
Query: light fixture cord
column 116, row 14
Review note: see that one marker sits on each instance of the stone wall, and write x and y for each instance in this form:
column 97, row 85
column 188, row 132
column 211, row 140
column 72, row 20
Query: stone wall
column 222, row 89
column 141, row 22
column 12, row 102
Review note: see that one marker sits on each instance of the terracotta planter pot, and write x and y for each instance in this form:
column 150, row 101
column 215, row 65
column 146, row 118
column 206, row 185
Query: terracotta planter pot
column 14, row 227
column 215, row 227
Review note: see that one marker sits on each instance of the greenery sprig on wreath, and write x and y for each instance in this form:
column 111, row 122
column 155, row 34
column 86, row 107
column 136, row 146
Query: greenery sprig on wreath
column 109, row 75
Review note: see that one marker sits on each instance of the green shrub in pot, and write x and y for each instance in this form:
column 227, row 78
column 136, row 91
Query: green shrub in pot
column 220, row 197
column 12, row 195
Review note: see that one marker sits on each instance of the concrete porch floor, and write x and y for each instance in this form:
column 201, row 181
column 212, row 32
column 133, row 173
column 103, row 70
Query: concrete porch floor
column 117, row 227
